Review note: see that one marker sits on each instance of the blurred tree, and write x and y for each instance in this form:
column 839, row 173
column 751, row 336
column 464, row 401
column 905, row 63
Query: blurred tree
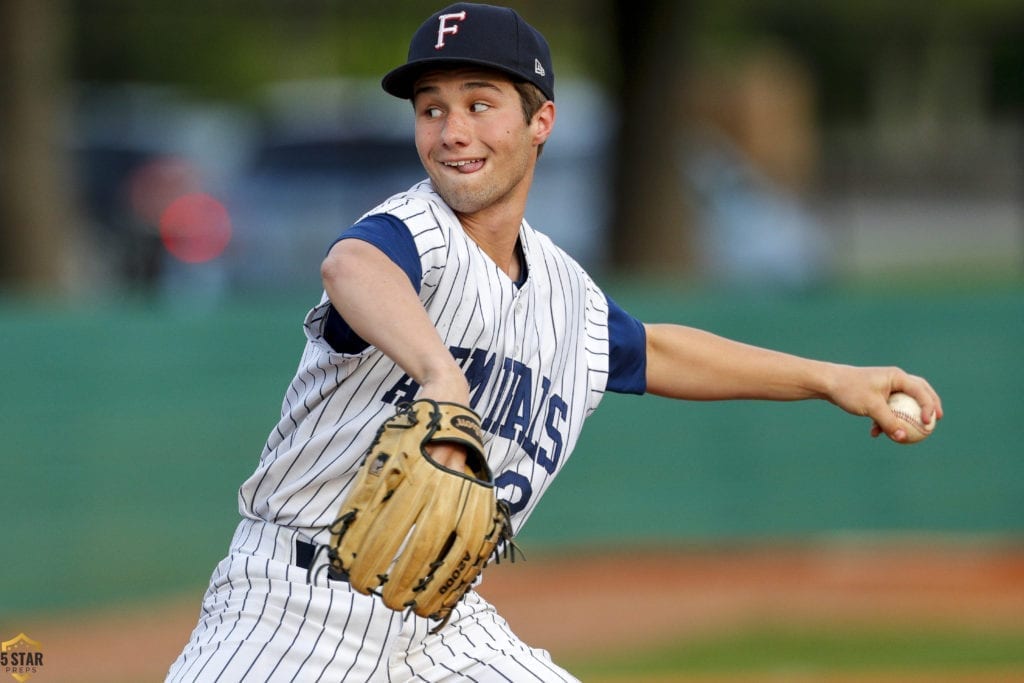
column 34, row 199
column 650, row 230
column 228, row 49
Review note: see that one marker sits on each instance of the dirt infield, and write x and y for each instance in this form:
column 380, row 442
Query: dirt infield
column 576, row 606
column 674, row 595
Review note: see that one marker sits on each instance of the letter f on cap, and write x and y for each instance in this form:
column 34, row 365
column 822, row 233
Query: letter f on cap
column 443, row 27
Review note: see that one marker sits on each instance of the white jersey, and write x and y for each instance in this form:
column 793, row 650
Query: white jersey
column 535, row 354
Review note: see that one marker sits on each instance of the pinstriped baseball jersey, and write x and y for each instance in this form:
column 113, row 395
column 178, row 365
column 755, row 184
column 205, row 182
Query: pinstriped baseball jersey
column 536, row 355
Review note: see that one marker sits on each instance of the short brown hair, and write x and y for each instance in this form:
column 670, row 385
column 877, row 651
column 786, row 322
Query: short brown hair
column 532, row 99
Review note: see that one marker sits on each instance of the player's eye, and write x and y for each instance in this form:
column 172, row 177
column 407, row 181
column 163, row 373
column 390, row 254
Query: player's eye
column 432, row 112
column 479, row 107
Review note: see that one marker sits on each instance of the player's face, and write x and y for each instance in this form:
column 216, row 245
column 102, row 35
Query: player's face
column 473, row 139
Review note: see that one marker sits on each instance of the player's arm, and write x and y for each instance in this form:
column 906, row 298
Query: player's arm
column 687, row 363
column 374, row 296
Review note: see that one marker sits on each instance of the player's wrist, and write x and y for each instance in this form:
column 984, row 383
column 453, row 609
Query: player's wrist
column 825, row 380
column 447, row 385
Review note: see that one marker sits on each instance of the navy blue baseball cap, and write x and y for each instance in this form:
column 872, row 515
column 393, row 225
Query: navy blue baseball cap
column 475, row 35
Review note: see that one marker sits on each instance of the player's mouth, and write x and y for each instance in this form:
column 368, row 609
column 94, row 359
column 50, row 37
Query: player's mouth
column 464, row 165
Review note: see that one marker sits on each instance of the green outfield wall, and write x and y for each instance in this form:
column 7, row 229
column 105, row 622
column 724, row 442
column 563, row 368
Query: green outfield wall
column 128, row 428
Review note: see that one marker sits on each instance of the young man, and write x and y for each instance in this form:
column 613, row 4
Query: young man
column 445, row 292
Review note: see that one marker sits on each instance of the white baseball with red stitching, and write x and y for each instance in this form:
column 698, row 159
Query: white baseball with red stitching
column 907, row 409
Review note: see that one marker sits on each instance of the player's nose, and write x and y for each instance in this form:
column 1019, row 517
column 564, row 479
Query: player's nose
column 455, row 130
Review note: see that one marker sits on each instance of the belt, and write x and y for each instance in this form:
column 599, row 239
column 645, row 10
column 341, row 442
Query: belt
column 304, row 555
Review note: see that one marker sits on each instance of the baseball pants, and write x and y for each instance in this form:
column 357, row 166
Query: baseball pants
column 262, row 621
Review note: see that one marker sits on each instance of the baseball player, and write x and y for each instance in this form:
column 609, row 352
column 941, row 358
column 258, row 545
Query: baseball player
column 445, row 292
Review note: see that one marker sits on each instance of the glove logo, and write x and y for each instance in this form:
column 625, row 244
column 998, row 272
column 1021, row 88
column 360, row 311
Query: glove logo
column 468, row 425
column 378, row 465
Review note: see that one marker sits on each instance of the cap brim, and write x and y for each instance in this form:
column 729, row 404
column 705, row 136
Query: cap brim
column 401, row 81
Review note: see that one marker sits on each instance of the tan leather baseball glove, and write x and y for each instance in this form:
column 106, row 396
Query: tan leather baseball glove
column 412, row 531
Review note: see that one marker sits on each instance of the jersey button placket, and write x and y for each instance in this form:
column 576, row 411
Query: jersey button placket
column 518, row 323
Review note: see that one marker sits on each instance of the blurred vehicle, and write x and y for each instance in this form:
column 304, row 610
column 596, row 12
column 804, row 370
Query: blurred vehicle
column 136, row 149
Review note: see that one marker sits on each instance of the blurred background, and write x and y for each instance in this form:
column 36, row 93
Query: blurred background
column 840, row 180
column 791, row 143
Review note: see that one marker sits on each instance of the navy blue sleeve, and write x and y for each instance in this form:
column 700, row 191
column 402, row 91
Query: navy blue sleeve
column 627, row 352
column 391, row 236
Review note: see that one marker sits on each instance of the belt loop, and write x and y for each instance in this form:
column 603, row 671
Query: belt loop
column 304, row 553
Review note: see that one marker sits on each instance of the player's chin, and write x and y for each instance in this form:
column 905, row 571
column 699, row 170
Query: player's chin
column 463, row 198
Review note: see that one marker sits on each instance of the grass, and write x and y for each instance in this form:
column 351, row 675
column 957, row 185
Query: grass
column 776, row 653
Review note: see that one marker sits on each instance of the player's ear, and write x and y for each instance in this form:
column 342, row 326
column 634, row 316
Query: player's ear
column 543, row 122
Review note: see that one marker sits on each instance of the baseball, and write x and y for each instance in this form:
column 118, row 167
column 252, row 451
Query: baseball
column 909, row 412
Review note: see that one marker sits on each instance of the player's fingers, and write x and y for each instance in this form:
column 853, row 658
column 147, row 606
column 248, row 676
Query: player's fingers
column 885, row 420
column 890, row 426
column 448, row 455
